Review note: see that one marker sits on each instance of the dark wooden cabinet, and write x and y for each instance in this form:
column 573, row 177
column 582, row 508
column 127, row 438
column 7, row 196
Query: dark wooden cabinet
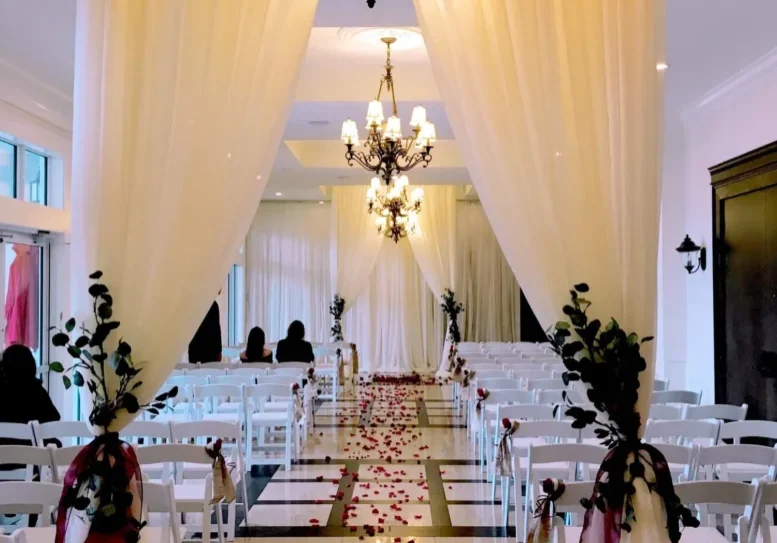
column 744, row 271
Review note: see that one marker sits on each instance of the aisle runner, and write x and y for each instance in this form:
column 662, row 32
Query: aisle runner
column 393, row 461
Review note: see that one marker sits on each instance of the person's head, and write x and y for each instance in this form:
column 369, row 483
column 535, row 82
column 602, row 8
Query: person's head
column 255, row 344
column 296, row 331
column 18, row 364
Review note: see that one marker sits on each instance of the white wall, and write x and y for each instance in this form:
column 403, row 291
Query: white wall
column 738, row 116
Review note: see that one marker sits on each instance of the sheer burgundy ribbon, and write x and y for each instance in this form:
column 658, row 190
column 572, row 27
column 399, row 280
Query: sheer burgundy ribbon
column 113, row 461
column 613, row 516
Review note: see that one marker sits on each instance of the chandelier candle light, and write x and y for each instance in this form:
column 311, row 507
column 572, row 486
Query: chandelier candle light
column 389, row 155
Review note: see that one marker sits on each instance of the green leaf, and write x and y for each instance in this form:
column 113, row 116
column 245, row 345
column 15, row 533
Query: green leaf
column 78, row 379
column 56, row 367
column 562, row 325
column 96, row 275
column 60, row 339
column 647, row 338
column 82, row 341
column 70, row 325
column 97, row 289
column 104, row 311
column 108, row 510
column 74, row 351
column 66, row 381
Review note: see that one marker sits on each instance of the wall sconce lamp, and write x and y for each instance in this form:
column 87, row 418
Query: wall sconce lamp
column 692, row 251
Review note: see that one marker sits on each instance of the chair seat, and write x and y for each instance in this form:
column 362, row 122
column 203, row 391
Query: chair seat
column 736, row 471
column 276, row 405
column 189, row 496
column 270, row 417
column 149, row 534
column 230, row 407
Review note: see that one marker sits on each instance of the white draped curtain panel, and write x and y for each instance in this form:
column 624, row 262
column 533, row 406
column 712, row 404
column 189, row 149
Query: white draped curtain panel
column 485, row 284
column 564, row 126
column 179, row 108
column 287, row 269
column 355, row 244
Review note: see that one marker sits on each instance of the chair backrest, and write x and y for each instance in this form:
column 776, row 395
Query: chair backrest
column 211, row 396
column 173, row 453
column 61, row 430
column 498, row 383
column 287, row 380
column 677, row 396
column 186, row 366
column 763, row 512
column 233, row 380
column 150, row 431
column 545, row 384
column 684, row 455
column 535, row 374
column 293, row 372
column 507, row 396
column 479, row 366
column 25, row 496
column 265, row 390
column 160, row 498
column 714, row 460
column 15, row 430
column 723, row 412
column 748, row 428
column 549, row 429
column 492, row 374
column 62, row 457
column 683, row 432
column 556, row 397
column 588, row 457
column 27, row 455
column 193, row 430
column 663, row 411
column 254, row 370
column 725, row 497
column 524, row 412
column 303, row 365
column 569, row 501
column 207, row 372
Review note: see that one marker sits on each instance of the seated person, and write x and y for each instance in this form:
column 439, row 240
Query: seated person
column 294, row 348
column 255, row 351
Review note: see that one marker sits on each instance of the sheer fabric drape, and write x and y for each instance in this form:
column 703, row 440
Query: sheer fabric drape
column 563, row 126
column 485, row 284
column 287, row 269
column 355, row 244
column 179, row 108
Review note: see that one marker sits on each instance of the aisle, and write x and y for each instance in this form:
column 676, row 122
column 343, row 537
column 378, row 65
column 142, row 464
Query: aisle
column 391, row 461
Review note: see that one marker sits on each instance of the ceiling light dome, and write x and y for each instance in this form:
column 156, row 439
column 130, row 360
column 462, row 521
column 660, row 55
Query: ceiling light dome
column 406, row 37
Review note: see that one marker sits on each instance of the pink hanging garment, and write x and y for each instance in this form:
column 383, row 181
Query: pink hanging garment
column 18, row 300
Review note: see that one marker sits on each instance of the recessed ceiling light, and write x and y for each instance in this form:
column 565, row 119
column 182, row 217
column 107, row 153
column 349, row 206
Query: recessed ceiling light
column 661, row 66
column 320, row 201
column 279, row 194
column 318, row 123
column 407, row 37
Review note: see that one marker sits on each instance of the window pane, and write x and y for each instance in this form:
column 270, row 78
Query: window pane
column 7, row 169
column 34, row 178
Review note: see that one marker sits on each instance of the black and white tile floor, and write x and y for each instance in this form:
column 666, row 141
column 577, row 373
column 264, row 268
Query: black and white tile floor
column 391, row 463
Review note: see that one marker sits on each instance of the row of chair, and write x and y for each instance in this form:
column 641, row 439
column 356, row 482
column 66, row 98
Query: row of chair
column 169, row 450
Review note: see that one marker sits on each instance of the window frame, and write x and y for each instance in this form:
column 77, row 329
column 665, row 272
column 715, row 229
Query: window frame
column 20, row 162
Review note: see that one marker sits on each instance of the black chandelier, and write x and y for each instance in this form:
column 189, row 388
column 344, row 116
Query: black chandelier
column 386, row 152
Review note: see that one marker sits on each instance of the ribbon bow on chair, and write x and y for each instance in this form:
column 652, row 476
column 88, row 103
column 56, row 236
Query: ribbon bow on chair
column 540, row 532
column 223, row 485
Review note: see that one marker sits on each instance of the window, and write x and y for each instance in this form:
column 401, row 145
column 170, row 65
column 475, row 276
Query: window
column 24, row 173
column 35, row 174
column 7, row 169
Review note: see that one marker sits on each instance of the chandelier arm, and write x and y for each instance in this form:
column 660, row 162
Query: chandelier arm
column 360, row 158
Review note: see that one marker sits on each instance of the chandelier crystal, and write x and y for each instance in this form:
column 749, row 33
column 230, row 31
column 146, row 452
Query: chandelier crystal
column 388, row 155
column 396, row 213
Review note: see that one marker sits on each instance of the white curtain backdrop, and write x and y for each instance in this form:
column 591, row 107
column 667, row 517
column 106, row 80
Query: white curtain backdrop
column 355, row 243
column 485, row 284
column 287, row 269
column 396, row 323
column 563, row 126
column 178, row 112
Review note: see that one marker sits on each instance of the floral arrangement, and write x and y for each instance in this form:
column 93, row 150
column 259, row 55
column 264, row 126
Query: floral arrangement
column 608, row 360
column 101, row 487
column 452, row 308
column 483, row 395
column 336, row 310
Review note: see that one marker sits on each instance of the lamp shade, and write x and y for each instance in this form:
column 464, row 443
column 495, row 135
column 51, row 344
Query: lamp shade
column 427, row 136
column 419, row 117
column 374, row 114
column 393, row 130
column 350, row 133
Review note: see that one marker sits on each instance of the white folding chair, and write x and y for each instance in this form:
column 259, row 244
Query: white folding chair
column 146, row 432
column 289, row 365
column 712, row 498
column 569, row 504
column 251, row 368
column 663, row 411
column 190, row 496
column 234, row 379
column 677, row 396
column 209, row 370
column 68, row 432
column 218, row 402
column 289, row 372
column 682, row 460
column 231, row 433
column 182, row 407
column 659, row 385
column 736, row 463
column 61, row 458
column 737, row 430
column 556, row 397
column 30, row 498
column 582, row 461
column 492, row 374
column 723, row 412
column 259, row 419
column 488, row 413
column 25, row 434
column 537, row 432
column 28, row 456
column 683, row 432
column 528, row 375
column 484, row 365
column 545, row 384
column 762, row 528
column 160, row 498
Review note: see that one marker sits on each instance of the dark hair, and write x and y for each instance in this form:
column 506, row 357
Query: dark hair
column 255, row 345
column 18, row 364
column 296, row 331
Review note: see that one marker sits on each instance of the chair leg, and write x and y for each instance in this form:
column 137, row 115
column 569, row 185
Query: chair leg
column 249, row 445
column 504, row 483
column 219, row 522
column 289, row 442
column 231, row 520
column 206, row 512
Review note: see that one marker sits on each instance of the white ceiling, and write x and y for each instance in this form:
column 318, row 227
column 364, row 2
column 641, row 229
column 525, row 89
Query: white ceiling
column 707, row 42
